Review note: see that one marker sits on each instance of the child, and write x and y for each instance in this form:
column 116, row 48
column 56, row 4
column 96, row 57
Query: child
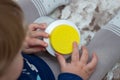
column 105, row 43
column 15, row 65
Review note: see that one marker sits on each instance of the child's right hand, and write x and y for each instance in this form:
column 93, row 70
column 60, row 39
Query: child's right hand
column 32, row 43
column 79, row 65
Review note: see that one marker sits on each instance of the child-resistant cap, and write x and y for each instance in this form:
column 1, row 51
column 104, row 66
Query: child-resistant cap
column 62, row 38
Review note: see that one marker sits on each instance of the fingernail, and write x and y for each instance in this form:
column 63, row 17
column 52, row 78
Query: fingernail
column 74, row 43
column 46, row 44
column 44, row 25
column 47, row 35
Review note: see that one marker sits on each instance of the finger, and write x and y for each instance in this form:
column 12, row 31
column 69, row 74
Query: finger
column 37, row 42
column 42, row 26
column 36, row 34
column 75, row 54
column 91, row 66
column 61, row 60
column 35, row 26
column 84, row 56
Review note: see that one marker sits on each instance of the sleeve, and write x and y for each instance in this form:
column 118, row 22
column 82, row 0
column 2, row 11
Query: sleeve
column 69, row 76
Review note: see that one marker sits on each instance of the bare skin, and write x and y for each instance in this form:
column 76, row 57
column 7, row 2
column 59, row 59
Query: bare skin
column 14, row 69
column 32, row 42
column 79, row 65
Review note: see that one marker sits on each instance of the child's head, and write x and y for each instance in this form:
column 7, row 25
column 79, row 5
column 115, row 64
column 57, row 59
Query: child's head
column 11, row 32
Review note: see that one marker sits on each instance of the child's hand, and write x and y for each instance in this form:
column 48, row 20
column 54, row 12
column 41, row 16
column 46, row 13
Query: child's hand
column 79, row 65
column 32, row 42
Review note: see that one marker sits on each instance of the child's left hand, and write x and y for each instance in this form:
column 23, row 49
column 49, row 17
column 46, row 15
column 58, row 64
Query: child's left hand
column 79, row 64
column 32, row 42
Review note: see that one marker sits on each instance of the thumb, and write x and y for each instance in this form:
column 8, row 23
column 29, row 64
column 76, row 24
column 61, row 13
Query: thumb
column 61, row 59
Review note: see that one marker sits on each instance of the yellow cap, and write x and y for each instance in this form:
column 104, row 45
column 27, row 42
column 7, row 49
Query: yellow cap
column 62, row 37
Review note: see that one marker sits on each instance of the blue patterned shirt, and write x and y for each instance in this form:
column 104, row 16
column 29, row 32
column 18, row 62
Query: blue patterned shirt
column 36, row 69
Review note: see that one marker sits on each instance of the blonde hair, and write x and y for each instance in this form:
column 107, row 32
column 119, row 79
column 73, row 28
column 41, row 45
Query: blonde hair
column 11, row 32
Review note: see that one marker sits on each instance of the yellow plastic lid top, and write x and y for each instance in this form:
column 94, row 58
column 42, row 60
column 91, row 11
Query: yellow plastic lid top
column 62, row 38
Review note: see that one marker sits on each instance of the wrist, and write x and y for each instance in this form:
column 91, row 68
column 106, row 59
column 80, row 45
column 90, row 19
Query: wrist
column 69, row 76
